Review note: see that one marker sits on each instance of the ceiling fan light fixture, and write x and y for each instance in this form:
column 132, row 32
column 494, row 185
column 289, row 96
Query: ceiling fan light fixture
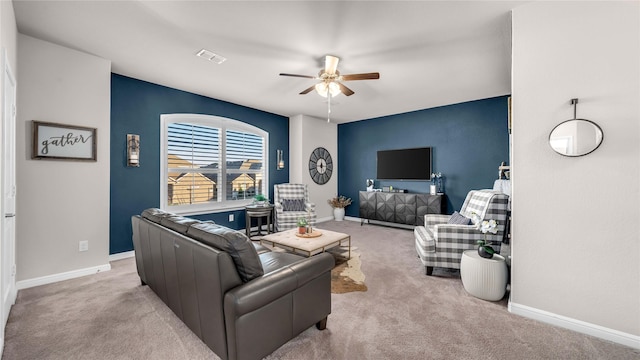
column 325, row 88
column 331, row 64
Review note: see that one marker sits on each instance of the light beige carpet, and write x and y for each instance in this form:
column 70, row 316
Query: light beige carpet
column 402, row 315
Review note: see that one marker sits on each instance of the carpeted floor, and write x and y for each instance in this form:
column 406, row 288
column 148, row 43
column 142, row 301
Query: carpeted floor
column 402, row 315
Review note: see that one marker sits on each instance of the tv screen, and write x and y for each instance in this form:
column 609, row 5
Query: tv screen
column 404, row 164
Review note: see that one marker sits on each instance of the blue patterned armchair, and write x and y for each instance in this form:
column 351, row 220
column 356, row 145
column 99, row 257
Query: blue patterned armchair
column 441, row 241
column 291, row 201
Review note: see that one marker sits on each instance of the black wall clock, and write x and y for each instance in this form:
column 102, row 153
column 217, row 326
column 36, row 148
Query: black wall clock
column 320, row 165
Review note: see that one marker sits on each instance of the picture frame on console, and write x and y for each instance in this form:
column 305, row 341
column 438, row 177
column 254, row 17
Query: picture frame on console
column 370, row 184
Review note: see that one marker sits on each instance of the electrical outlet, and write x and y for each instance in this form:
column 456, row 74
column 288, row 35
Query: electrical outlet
column 83, row 245
column 230, row 217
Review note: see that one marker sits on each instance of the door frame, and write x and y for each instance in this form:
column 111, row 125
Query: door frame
column 8, row 291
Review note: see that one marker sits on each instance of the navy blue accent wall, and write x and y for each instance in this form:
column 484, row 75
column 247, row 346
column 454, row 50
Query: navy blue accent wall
column 469, row 141
column 136, row 107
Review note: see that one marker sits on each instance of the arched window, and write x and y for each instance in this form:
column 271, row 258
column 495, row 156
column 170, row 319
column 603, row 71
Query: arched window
column 210, row 163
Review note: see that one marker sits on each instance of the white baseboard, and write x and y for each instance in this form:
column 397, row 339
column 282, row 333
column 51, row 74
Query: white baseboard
column 598, row 331
column 324, row 219
column 122, row 255
column 49, row 279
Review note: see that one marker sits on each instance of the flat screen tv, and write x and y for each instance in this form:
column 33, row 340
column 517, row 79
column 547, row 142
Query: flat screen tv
column 404, row 164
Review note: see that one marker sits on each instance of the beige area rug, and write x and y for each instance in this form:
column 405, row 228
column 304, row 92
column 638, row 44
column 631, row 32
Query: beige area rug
column 346, row 276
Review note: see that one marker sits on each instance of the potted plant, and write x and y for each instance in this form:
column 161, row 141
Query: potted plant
column 260, row 199
column 338, row 204
column 484, row 246
column 302, row 225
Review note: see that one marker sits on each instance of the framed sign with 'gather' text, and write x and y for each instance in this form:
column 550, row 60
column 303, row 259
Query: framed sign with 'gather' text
column 63, row 142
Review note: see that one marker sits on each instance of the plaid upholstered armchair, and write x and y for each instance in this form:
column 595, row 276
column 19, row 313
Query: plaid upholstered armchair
column 291, row 201
column 443, row 238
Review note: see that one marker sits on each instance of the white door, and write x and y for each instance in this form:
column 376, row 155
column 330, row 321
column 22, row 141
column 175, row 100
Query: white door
column 8, row 185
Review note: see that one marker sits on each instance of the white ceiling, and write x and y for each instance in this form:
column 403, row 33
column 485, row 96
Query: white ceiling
column 428, row 53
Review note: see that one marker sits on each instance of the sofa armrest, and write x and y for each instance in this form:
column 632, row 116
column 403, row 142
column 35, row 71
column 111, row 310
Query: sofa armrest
column 309, row 206
column 266, row 312
column 435, row 219
column 272, row 286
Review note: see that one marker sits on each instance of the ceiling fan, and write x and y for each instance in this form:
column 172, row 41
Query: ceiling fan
column 331, row 80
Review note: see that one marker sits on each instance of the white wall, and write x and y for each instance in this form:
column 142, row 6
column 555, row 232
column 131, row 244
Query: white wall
column 576, row 238
column 296, row 166
column 307, row 133
column 62, row 202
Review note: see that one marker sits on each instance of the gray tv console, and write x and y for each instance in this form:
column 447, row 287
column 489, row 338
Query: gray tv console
column 406, row 209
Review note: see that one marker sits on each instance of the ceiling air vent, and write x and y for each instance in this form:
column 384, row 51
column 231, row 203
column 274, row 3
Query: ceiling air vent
column 211, row 56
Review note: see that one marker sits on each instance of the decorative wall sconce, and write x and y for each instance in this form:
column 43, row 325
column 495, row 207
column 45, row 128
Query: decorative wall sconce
column 133, row 150
column 280, row 164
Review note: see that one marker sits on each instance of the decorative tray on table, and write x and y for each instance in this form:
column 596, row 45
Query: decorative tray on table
column 312, row 234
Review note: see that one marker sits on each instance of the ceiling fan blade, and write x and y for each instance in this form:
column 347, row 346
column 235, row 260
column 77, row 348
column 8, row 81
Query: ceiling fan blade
column 308, row 90
column 365, row 76
column 301, row 76
column 331, row 64
column 345, row 90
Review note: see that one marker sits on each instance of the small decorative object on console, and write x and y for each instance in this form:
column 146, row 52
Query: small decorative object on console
column 370, row 184
column 437, row 184
column 440, row 183
column 433, row 188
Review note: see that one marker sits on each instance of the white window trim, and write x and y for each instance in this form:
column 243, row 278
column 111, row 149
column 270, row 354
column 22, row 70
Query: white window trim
column 206, row 120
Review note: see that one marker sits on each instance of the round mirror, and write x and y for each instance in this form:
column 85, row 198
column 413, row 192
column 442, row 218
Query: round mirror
column 575, row 137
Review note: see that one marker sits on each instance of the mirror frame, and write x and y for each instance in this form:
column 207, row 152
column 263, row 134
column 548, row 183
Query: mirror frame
column 596, row 126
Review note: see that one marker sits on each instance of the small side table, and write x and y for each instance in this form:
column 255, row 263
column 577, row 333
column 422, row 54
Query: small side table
column 484, row 278
column 259, row 212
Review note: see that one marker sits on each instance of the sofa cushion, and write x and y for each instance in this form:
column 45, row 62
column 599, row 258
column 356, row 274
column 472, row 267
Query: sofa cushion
column 261, row 249
column 458, row 219
column 235, row 243
column 293, row 204
column 155, row 215
column 178, row 223
column 275, row 260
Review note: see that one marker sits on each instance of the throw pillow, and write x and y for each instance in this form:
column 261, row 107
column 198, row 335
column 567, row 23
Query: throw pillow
column 458, row 219
column 293, row 204
column 235, row 243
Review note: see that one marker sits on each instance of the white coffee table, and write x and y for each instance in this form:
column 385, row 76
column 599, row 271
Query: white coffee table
column 308, row 246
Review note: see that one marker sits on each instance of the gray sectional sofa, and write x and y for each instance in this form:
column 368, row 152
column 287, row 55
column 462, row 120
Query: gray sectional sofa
column 241, row 299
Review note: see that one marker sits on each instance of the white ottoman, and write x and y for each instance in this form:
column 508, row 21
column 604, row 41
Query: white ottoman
column 484, row 278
